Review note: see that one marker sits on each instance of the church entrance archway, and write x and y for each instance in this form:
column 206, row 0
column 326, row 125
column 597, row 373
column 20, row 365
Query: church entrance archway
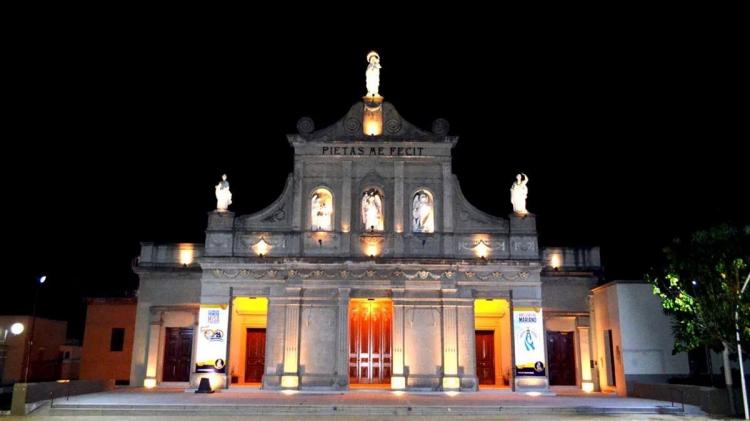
column 370, row 327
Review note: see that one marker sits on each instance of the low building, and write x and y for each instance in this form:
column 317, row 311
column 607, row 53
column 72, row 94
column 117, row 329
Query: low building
column 70, row 361
column 43, row 356
column 108, row 339
column 632, row 337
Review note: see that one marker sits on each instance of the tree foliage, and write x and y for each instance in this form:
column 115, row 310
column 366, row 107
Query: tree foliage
column 699, row 286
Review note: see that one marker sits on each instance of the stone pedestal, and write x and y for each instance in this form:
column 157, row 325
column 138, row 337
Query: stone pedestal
column 219, row 234
column 523, row 237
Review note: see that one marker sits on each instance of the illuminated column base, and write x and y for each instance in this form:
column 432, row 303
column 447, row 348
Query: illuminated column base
column 587, row 386
column 398, row 383
column 290, row 381
column 451, row 383
column 149, row 383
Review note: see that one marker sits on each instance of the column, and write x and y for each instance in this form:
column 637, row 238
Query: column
column 299, row 204
column 467, row 357
column 450, row 343
column 152, row 359
column 448, row 244
column 398, row 377
column 398, row 208
column 346, row 206
column 290, row 378
column 587, row 382
column 342, row 358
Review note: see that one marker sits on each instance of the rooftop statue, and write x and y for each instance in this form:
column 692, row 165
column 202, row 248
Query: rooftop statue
column 518, row 194
column 373, row 74
column 223, row 195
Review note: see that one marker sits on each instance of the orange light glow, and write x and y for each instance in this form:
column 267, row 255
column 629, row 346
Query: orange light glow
column 372, row 249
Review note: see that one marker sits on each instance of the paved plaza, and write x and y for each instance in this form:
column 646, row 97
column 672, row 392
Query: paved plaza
column 361, row 404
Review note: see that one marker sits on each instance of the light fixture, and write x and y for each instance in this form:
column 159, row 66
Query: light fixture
column 42, row 279
column 16, row 328
column 587, row 387
column 534, row 394
column 149, row 383
column 481, row 249
column 261, row 248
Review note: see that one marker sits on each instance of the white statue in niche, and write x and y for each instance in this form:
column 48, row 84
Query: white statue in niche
column 518, row 194
column 372, row 73
column 422, row 213
column 322, row 210
column 223, row 195
column 372, row 211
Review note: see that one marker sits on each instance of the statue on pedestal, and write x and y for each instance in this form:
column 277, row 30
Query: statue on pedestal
column 372, row 211
column 223, row 195
column 373, row 74
column 518, row 194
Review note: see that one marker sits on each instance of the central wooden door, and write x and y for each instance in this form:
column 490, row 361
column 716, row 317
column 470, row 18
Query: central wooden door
column 178, row 348
column 370, row 341
column 562, row 366
column 485, row 346
column 255, row 355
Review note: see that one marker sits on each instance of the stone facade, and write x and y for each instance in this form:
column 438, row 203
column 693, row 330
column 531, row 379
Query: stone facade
column 310, row 278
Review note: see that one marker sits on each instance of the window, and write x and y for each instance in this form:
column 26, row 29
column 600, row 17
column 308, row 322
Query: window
column 372, row 210
column 321, row 210
column 117, row 340
column 422, row 212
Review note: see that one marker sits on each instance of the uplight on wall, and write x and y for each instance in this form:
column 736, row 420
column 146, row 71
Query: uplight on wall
column 555, row 260
column 482, row 250
column 372, row 123
column 372, row 249
column 186, row 253
column 149, row 383
column 261, row 248
column 587, row 387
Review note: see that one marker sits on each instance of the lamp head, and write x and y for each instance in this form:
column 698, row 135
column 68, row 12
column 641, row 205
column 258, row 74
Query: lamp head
column 16, row 328
column 42, row 279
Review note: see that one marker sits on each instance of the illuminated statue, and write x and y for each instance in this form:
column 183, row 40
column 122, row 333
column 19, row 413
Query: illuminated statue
column 223, row 195
column 373, row 74
column 322, row 210
column 372, row 211
column 518, row 193
column 423, row 219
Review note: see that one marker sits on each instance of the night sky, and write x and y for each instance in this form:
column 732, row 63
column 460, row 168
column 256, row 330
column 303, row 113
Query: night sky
column 629, row 138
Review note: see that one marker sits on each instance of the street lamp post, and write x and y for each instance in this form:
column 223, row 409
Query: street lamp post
column 15, row 329
column 30, row 341
column 739, row 347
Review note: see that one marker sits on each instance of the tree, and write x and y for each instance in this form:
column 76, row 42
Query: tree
column 699, row 287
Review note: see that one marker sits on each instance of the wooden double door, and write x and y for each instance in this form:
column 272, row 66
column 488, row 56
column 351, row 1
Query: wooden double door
column 178, row 348
column 370, row 326
column 561, row 353
column 255, row 355
column 485, row 349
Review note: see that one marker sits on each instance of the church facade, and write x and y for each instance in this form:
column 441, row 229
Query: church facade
column 370, row 270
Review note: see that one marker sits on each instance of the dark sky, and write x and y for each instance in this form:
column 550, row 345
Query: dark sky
column 630, row 137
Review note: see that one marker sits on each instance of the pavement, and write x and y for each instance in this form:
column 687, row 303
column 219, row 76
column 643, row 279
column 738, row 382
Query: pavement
column 251, row 404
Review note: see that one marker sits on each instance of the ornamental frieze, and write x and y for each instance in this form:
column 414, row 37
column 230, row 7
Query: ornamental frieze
column 366, row 274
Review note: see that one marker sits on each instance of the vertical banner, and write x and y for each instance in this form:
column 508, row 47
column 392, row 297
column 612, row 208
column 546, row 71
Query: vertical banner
column 528, row 330
column 212, row 339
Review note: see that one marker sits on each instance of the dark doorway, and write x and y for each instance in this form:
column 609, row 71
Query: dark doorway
column 609, row 354
column 485, row 346
column 561, row 351
column 255, row 355
column 369, row 342
column 178, row 349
